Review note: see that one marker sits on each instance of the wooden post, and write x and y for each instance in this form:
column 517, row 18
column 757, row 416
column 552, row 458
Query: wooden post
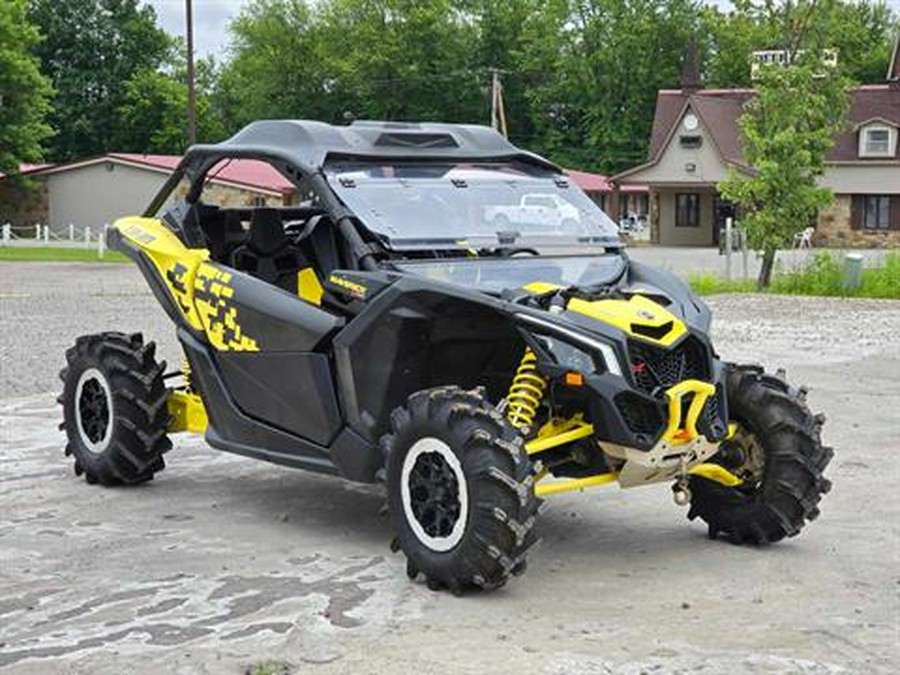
column 728, row 244
column 613, row 210
column 191, row 92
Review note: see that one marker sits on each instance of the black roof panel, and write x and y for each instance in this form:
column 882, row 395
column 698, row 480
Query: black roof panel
column 308, row 143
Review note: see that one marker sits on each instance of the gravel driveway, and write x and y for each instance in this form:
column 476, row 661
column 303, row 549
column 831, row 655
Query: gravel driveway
column 222, row 562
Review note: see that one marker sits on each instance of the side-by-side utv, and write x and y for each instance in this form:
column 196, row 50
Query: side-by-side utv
column 437, row 310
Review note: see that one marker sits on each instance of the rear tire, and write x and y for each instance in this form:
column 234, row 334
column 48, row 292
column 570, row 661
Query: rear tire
column 775, row 422
column 460, row 490
column 114, row 409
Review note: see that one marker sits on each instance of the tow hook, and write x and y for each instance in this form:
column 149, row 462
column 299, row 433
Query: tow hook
column 681, row 491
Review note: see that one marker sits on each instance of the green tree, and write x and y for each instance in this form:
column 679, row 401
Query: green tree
column 24, row 92
column 276, row 67
column 861, row 32
column 595, row 68
column 151, row 117
column 403, row 60
column 787, row 129
column 91, row 50
column 389, row 59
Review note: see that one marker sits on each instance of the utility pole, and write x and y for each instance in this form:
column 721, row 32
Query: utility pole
column 191, row 93
column 498, row 113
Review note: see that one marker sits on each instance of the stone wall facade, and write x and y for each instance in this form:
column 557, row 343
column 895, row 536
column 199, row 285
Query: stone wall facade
column 834, row 229
column 229, row 197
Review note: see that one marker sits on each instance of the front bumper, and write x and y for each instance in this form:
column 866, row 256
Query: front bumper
column 627, row 416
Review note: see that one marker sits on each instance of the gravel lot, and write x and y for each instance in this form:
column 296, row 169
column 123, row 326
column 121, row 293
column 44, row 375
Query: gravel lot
column 223, row 562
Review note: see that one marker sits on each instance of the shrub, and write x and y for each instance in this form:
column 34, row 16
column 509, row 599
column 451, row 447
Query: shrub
column 823, row 276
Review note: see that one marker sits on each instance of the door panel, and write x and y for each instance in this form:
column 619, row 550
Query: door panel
column 293, row 391
column 242, row 313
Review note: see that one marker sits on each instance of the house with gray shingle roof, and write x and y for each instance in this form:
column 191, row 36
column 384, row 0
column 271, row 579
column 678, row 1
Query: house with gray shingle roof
column 695, row 141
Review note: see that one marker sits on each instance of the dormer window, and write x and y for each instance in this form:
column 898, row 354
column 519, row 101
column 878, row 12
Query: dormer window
column 877, row 140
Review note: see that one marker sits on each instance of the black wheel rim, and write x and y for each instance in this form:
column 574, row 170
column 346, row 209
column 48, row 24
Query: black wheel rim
column 93, row 410
column 434, row 494
column 744, row 456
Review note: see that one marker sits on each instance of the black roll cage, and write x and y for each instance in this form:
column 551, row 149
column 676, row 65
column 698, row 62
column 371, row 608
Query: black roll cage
column 361, row 252
column 196, row 166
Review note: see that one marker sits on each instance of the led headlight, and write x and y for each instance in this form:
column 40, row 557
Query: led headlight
column 603, row 353
column 568, row 356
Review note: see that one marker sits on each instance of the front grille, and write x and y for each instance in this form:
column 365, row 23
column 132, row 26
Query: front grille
column 640, row 416
column 654, row 368
column 710, row 424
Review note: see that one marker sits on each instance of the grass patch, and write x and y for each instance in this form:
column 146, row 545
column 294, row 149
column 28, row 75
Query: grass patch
column 269, row 667
column 823, row 276
column 57, row 254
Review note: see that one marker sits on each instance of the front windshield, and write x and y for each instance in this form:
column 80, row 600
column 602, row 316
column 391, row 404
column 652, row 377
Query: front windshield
column 496, row 275
column 426, row 205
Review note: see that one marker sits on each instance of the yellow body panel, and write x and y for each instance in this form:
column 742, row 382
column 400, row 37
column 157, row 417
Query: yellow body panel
column 623, row 314
column 308, row 286
column 636, row 311
column 175, row 262
column 201, row 290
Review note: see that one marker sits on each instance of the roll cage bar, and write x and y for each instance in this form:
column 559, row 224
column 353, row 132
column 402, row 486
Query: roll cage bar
column 195, row 167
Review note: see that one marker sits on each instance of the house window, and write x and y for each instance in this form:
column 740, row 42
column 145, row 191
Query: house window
column 690, row 142
column 687, row 210
column 877, row 141
column 643, row 207
column 876, row 212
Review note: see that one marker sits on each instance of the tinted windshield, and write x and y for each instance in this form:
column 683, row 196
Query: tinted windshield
column 498, row 274
column 424, row 205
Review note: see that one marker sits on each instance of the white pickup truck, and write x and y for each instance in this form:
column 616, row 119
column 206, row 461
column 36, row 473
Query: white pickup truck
column 544, row 211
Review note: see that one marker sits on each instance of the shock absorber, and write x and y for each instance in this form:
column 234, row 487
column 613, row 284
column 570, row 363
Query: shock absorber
column 186, row 375
column 525, row 393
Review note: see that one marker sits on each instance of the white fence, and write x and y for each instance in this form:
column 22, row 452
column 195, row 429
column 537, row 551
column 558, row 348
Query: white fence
column 42, row 235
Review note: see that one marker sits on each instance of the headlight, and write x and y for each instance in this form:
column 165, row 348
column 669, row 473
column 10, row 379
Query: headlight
column 597, row 354
column 568, row 356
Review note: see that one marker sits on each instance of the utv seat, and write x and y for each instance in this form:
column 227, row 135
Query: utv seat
column 268, row 254
column 224, row 234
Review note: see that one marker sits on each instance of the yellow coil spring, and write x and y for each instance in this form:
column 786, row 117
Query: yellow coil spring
column 186, row 374
column 525, row 393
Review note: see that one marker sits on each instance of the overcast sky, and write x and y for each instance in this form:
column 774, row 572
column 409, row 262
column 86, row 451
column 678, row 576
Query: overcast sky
column 211, row 19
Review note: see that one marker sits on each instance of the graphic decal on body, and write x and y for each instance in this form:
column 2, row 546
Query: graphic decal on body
column 212, row 298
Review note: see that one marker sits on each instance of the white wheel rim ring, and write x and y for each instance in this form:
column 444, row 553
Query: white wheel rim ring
column 424, row 446
column 101, row 445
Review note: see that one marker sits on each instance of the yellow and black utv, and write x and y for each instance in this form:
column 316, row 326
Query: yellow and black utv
column 449, row 315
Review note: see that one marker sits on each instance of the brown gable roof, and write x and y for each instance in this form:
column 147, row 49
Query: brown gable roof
column 720, row 109
column 868, row 102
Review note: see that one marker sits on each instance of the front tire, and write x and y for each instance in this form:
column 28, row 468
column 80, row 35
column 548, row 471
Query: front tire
column 114, row 409
column 777, row 451
column 460, row 490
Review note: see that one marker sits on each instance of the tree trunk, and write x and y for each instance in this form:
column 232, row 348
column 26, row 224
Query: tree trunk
column 765, row 271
